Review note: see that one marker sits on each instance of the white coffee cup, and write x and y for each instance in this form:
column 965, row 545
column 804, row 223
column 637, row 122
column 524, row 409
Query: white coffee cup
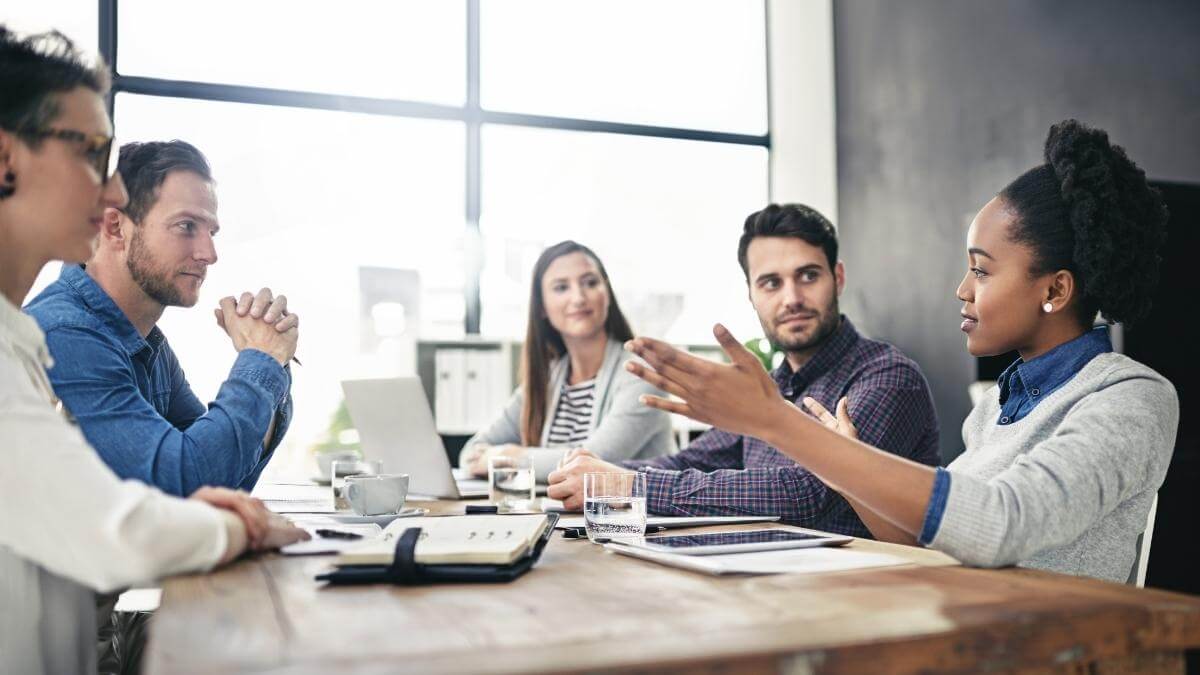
column 377, row 495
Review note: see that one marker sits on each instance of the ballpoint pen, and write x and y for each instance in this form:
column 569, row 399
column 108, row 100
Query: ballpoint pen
column 337, row 534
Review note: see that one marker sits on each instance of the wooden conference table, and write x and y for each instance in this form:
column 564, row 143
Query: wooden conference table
column 584, row 609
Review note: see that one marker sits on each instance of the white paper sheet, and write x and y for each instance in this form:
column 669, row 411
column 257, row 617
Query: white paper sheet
column 319, row 545
column 282, row 498
column 788, row 561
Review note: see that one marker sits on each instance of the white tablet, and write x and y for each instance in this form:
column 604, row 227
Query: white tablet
column 713, row 543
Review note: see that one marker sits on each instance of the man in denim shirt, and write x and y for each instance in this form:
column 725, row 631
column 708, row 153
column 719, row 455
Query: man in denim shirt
column 114, row 370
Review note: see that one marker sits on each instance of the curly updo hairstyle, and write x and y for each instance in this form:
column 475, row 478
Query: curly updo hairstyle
column 1089, row 210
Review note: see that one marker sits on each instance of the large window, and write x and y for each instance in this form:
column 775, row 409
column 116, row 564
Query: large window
column 395, row 168
column 697, row 64
column 663, row 214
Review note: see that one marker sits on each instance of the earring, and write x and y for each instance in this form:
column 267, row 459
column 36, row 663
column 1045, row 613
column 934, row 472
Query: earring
column 7, row 188
column 1047, row 308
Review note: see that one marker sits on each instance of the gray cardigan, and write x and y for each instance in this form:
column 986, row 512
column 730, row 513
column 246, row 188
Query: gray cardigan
column 1068, row 487
column 621, row 428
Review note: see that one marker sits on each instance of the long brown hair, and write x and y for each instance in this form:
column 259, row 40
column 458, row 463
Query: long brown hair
column 544, row 344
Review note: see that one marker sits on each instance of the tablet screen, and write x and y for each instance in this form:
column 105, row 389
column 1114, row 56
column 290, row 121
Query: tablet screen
column 726, row 538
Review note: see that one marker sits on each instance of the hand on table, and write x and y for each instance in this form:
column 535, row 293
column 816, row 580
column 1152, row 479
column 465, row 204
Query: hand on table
column 264, row 530
column 566, row 482
column 476, row 457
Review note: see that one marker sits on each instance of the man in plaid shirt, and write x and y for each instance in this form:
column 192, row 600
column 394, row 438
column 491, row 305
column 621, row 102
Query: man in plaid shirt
column 789, row 256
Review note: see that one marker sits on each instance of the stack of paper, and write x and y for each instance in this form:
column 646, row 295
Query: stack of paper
column 284, row 498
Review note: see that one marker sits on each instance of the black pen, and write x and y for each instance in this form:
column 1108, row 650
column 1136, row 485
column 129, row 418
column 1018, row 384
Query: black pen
column 338, row 534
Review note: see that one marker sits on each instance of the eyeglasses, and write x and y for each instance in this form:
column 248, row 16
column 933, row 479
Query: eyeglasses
column 96, row 147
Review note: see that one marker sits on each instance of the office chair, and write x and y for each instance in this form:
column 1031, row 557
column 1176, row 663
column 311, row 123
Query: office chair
column 1137, row 575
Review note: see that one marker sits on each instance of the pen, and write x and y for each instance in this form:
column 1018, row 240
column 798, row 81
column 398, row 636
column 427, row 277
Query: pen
column 338, row 534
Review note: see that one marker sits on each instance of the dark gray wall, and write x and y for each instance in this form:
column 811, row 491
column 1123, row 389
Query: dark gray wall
column 940, row 103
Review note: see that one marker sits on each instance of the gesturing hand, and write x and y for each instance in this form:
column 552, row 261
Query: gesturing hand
column 739, row 396
column 841, row 423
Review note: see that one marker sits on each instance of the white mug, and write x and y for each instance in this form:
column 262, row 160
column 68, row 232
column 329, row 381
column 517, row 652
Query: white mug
column 377, row 495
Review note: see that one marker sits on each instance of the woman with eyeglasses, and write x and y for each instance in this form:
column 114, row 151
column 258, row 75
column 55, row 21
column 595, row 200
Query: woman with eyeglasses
column 574, row 390
column 68, row 526
column 1064, row 457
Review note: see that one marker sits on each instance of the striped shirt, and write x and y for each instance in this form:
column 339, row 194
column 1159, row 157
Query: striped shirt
column 723, row 473
column 573, row 419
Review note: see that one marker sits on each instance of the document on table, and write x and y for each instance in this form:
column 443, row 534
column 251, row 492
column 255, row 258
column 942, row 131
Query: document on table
column 673, row 522
column 282, row 498
column 788, row 561
column 319, row 545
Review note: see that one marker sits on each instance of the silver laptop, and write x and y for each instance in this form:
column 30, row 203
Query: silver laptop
column 395, row 426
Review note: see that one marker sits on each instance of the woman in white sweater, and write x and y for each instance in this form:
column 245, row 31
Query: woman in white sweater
column 68, row 525
column 1064, row 458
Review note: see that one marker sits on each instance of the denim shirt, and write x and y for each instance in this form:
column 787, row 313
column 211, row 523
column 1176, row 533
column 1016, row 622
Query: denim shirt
column 1022, row 386
column 134, row 405
column 1024, row 383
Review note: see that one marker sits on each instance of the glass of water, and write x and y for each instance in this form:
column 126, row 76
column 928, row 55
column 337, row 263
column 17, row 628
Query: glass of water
column 614, row 505
column 340, row 468
column 511, row 482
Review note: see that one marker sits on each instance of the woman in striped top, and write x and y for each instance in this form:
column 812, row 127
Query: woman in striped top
column 575, row 391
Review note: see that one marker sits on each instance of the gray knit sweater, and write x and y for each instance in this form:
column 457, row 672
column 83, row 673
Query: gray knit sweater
column 1068, row 487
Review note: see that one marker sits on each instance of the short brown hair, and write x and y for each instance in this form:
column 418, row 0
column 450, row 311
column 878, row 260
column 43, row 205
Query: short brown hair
column 789, row 220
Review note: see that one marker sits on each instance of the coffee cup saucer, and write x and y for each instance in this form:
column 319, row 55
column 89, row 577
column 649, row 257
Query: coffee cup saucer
column 352, row 518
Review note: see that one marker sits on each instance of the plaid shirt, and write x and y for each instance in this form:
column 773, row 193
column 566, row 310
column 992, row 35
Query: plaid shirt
column 727, row 474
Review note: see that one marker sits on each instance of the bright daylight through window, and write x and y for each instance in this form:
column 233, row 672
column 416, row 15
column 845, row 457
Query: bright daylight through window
column 395, row 168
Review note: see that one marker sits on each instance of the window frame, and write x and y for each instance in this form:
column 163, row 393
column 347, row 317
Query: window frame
column 471, row 113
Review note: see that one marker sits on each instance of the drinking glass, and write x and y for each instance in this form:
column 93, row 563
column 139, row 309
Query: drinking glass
column 614, row 505
column 511, row 481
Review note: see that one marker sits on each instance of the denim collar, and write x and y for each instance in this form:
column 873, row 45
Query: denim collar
column 1052, row 369
column 103, row 307
column 835, row 347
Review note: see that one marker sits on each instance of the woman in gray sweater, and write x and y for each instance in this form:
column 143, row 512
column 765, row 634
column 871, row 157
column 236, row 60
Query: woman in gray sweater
column 575, row 391
column 1065, row 455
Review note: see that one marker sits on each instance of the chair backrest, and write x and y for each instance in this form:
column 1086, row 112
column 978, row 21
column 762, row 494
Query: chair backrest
column 976, row 390
column 1137, row 575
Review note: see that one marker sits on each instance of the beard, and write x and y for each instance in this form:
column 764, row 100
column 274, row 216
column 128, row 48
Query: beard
column 827, row 320
column 154, row 281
